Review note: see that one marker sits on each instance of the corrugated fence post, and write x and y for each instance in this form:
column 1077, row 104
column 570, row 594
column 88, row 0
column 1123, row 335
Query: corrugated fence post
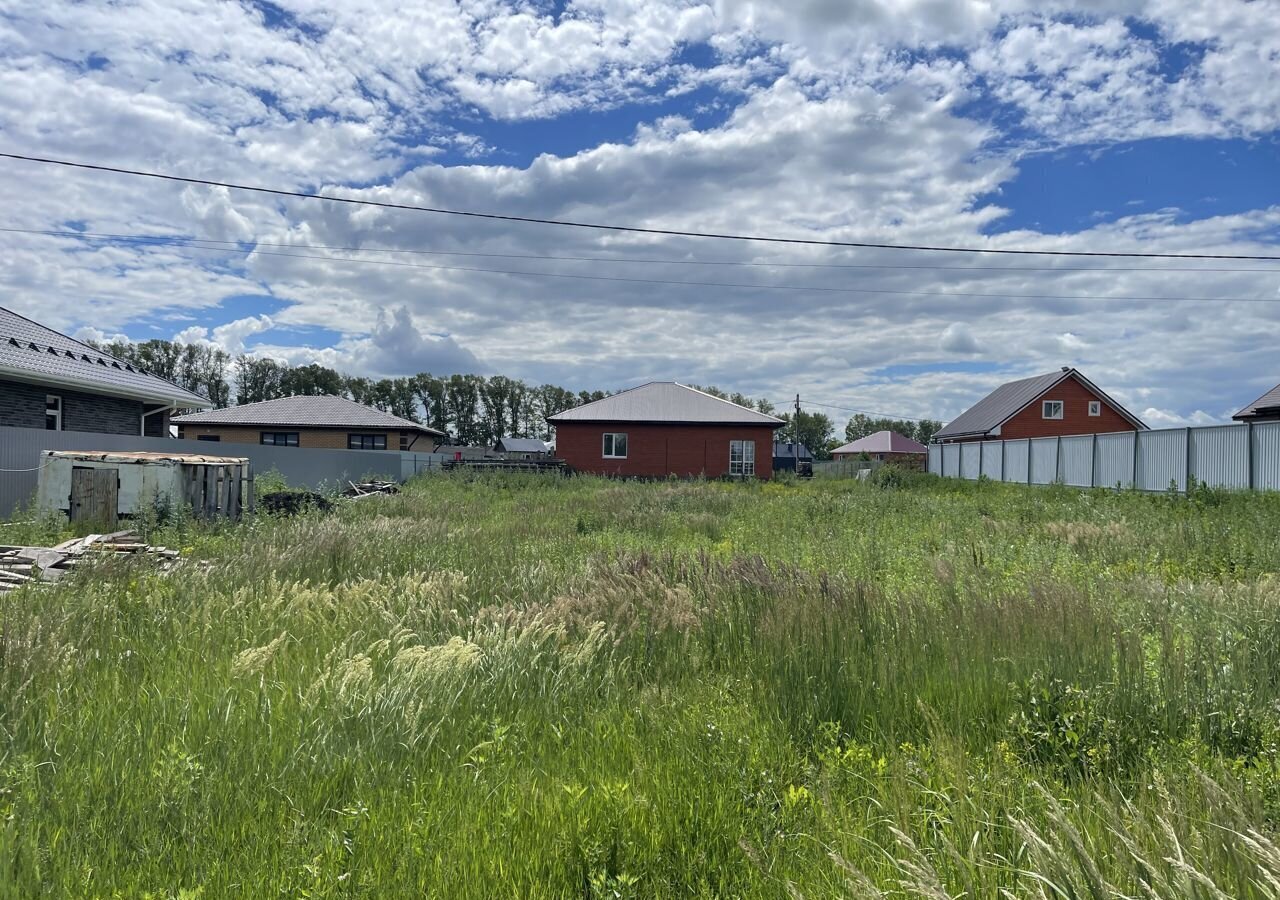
column 1093, row 460
column 1186, row 462
column 1003, row 462
column 1248, row 454
column 1133, row 471
column 1057, row 460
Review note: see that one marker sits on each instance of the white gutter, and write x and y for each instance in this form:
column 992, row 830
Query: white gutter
column 143, row 432
column 179, row 398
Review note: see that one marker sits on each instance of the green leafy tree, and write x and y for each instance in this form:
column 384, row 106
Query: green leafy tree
column 313, row 380
column 815, row 432
column 257, row 378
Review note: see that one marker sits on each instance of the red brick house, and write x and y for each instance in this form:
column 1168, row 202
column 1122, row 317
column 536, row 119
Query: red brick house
column 1059, row 403
column 664, row 428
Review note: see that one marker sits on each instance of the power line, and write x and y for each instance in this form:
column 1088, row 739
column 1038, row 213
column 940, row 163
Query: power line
column 177, row 238
column 867, row 412
column 564, row 223
column 824, row 289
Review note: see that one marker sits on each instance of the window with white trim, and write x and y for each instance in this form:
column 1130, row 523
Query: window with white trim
column 615, row 445
column 1052, row 409
column 1095, row 407
column 742, row 458
column 52, row 413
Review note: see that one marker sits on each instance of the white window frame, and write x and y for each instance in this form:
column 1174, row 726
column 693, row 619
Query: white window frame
column 1095, row 407
column 56, row 413
column 609, row 445
column 742, row 458
column 1044, row 409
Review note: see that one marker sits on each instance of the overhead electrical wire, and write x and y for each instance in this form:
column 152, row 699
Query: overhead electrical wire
column 865, row 412
column 653, row 260
column 824, row 289
column 599, row 226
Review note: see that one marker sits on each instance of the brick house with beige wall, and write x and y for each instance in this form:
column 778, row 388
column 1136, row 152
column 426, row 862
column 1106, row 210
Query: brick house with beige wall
column 1058, row 403
column 318, row 422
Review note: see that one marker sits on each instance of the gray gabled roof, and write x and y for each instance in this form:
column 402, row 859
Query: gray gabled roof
column 1268, row 403
column 319, row 411
column 520, row 445
column 1007, row 400
column 883, row 442
column 665, row 402
column 31, row 352
column 788, row 449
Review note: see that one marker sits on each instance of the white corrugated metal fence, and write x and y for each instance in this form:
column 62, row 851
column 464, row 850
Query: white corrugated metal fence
column 1244, row 457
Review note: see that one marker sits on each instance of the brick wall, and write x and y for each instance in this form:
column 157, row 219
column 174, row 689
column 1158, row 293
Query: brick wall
column 659, row 450
column 23, row 405
column 314, row 438
column 1030, row 423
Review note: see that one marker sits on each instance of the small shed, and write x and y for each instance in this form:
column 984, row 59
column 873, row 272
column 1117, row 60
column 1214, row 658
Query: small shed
column 104, row 486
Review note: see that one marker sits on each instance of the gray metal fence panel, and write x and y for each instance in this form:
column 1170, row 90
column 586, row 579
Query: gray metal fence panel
column 993, row 460
column 1162, row 459
column 1017, row 461
column 20, row 450
column 935, row 459
column 1075, row 466
column 1220, row 456
column 1044, row 460
column 951, row 460
column 1227, row 456
column 1266, row 456
column 970, row 460
column 412, row 464
column 1113, row 460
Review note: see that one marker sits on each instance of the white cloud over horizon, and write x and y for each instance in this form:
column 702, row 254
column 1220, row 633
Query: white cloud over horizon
column 896, row 121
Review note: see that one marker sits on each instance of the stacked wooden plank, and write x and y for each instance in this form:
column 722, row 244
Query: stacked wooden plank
column 370, row 489
column 20, row 566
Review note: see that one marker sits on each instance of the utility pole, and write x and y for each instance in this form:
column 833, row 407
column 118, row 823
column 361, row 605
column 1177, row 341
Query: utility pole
column 795, row 446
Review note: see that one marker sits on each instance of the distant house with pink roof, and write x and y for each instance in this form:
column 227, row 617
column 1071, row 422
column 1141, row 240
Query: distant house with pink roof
column 886, row 446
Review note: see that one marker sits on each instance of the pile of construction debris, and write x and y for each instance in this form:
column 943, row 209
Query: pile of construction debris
column 20, row 566
column 370, row 489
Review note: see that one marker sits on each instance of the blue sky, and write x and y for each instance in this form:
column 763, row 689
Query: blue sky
column 1129, row 125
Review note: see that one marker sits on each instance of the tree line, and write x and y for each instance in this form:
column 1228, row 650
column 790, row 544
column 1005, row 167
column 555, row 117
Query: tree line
column 476, row 410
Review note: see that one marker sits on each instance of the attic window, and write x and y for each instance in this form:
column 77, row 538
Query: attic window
column 1052, row 409
column 1095, row 407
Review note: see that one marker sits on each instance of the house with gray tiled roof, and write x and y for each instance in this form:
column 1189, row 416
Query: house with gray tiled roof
column 54, row 382
column 319, row 421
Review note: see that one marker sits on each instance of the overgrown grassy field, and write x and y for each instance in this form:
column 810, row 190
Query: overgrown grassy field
column 532, row 687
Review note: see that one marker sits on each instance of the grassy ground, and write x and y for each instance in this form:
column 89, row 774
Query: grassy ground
column 530, row 687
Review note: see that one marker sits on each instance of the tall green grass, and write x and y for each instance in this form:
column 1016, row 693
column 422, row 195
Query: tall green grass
column 525, row 686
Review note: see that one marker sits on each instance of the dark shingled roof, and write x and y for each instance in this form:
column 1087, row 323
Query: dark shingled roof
column 1268, row 404
column 33, row 353
column 1006, row 400
column 663, row 402
column 320, row 411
